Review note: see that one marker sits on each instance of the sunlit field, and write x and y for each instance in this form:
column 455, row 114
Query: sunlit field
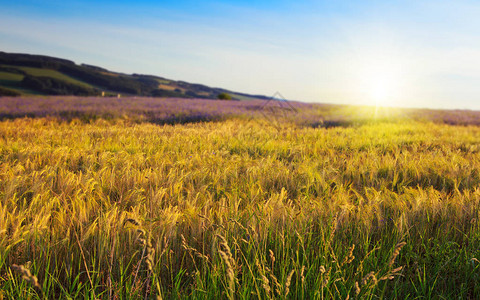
column 117, row 202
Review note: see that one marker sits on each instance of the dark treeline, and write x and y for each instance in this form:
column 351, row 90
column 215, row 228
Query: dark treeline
column 54, row 86
column 100, row 80
column 8, row 92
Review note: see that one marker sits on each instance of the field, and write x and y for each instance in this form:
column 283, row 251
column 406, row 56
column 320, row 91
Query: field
column 143, row 198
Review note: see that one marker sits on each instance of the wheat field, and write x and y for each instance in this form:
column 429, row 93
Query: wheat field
column 238, row 209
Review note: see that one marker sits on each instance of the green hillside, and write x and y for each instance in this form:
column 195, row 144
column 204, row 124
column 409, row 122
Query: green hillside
column 43, row 75
column 53, row 74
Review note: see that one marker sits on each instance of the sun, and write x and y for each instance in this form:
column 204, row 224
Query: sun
column 382, row 89
column 380, row 81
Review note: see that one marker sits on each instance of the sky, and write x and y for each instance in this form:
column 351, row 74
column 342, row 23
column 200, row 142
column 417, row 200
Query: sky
column 387, row 53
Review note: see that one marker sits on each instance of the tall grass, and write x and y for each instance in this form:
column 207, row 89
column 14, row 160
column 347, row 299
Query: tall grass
column 238, row 209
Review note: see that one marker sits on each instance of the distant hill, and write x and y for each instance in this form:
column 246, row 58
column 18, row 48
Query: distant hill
column 25, row 74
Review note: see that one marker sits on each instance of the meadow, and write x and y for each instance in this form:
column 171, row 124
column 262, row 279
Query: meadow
column 207, row 199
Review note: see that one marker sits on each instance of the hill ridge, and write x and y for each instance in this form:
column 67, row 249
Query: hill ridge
column 31, row 74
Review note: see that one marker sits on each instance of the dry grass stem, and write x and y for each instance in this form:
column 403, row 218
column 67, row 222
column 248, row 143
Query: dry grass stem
column 395, row 253
column 288, row 282
column 27, row 275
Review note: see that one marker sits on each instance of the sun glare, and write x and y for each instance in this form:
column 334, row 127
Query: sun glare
column 381, row 90
column 380, row 81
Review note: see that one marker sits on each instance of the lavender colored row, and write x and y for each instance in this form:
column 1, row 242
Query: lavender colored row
column 177, row 110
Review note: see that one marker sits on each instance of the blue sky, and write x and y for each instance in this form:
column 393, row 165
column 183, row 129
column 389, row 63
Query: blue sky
column 395, row 53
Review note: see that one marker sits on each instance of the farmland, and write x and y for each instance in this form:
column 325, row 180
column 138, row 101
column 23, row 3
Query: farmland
column 178, row 198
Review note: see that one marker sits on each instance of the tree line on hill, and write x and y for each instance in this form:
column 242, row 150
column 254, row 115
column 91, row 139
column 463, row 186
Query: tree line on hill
column 98, row 79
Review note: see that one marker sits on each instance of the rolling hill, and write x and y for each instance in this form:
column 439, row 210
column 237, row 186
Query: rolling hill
column 26, row 74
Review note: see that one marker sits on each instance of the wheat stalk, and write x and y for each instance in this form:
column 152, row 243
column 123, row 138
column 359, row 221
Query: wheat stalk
column 265, row 281
column 395, row 253
column 275, row 283
column 302, row 277
column 357, row 288
column 333, row 228
column 226, row 255
column 192, row 250
column 288, row 282
column 27, row 275
column 368, row 277
column 148, row 252
column 391, row 274
column 350, row 257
